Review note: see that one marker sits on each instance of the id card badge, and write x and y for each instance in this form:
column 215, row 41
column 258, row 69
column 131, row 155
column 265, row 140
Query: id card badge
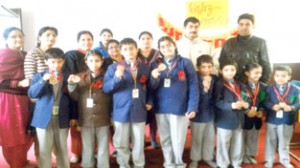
column 55, row 110
column 279, row 114
column 167, row 83
column 135, row 93
column 89, row 103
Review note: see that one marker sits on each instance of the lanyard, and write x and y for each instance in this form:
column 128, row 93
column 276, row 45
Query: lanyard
column 254, row 95
column 169, row 71
column 282, row 99
column 236, row 90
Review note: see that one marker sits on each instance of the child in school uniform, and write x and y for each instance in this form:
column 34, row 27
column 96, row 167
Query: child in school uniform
column 231, row 105
column 202, row 126
column 94, row 110
column 175, row 90
column 53, row 112
column 127, row 81
column 281, row 105
column 253, row 119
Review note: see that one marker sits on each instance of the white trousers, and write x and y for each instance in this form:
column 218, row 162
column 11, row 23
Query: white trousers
column 121, row 140
column 280, row 135
column 51, row 137
column 251, row 142
column 88, row 136
column 229, row 147
column 203, row 138
column 172, row 131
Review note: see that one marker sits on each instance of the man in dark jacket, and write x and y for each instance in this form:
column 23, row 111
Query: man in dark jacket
column 246, row 48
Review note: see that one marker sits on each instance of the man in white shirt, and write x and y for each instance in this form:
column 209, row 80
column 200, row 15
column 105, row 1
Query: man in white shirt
column 191, row 45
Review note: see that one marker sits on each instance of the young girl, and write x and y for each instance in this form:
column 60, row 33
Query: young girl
column 94, row 109
column 231, row 106
column 253, row 119
column 176, row 96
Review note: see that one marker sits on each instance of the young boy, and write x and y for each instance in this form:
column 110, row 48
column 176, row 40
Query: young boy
column 127, row 81
column 53, row 109
column 232, row 103
column 281, row 106
column 202, row 126
column 94, row 110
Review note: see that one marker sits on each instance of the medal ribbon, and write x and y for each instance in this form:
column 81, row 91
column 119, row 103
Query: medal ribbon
column 280, row 98
column 254, row 95
column 236, row 90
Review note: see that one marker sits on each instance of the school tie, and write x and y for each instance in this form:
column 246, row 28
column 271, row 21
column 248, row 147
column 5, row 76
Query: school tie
column 281, row 90
column 232, row 84
column 253, row 87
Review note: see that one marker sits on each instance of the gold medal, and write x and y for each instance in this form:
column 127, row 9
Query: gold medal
column 162, row 67
column 53, row 80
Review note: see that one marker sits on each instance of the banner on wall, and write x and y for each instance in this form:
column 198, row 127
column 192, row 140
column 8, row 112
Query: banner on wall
column 213, row 14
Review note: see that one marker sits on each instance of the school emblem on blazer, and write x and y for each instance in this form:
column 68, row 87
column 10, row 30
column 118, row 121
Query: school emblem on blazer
column 181, row 75
column 143, row 79
column 98, row 84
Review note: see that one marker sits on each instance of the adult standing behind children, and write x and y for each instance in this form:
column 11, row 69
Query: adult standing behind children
column 147, row 55
column 14, row 103
column 105, row 36
column 75, row 63
column 127, row 81
column 175, row 97
column 247, row 48
column 192, row 46
column 35, row 61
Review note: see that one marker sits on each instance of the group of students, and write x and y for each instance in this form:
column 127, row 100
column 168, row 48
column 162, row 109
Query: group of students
column 85, row 89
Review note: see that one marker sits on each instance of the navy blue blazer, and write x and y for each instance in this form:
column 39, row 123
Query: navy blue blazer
column 126, row 108
column 43, row 92
column 206, row 106
column 226, row 117
column 292, row 100
column 183, row 94
column 255, row 121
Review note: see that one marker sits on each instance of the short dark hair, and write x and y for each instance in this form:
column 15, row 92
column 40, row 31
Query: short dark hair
column 191, row 19
column 247, row 16
column 93, row 53
column 167, row 38
column 8, row 30
column 106, row 30
column 252, row 65
column 43, row 30
column 128, row 41
column 228, row 62
column 112, row 41
column 54, row 53
column 204, row 59
column 145, row 32
column 84, row 32
column 285, row 68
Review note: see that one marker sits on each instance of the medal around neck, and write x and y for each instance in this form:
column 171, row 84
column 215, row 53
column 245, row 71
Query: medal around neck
column 162, row 67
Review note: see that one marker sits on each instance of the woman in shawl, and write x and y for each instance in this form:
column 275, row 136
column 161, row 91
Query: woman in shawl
column 14, row 103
